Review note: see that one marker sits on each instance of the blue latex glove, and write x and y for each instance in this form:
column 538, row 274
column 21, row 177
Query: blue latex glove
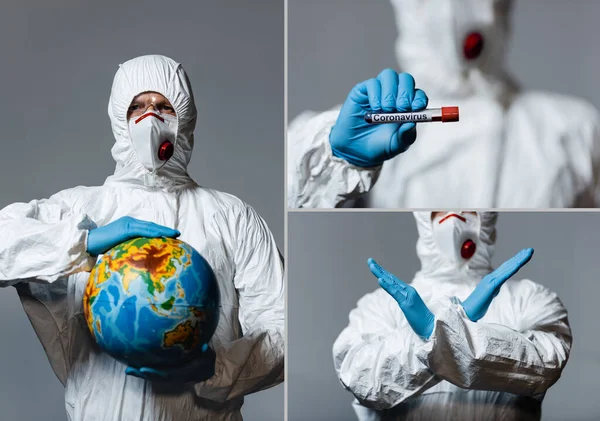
column 419, row 317
column 368, row 145
column 477, row 304
column 195, row 371
column 104, row 238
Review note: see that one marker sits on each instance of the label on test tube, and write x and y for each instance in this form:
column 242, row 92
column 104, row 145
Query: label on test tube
column 444, row 114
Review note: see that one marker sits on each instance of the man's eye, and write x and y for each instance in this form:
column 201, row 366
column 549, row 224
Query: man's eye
column 133, row 107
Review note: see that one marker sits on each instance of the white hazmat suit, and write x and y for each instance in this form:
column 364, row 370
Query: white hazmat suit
column 498, row 368
column 512, row 148
column 43, row 252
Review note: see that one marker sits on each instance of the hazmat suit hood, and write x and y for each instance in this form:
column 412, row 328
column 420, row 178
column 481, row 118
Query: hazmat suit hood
column 433, row 45
column 434, row 267
column 163, row 75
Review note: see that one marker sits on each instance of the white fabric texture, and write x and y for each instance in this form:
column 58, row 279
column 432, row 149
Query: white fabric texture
column 42, row 252
column 498, row 368
column 512, row 148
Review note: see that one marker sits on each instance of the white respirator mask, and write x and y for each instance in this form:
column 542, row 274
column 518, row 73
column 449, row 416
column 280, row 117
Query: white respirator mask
column 456, row 236
column 153, row 137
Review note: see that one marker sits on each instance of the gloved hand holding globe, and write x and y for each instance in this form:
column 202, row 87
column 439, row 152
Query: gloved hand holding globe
column 153, row 304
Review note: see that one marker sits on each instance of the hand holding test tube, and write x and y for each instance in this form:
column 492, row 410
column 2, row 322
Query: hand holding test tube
column 369, row 145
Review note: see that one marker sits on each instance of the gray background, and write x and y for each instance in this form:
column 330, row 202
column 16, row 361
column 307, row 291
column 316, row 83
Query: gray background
column 327, row 274
column 334, row 44
column 58, row 61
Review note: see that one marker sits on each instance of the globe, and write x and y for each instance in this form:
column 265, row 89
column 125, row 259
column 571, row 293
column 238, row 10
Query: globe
column 152, row 302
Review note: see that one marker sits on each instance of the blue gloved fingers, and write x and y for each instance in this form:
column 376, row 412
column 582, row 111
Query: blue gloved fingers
column 359, row 95
column 130, row 371
column 153, row 373
column 403, row 138
column 418, row 315
column 379, row 272
column 151, row 230
column 396, row 290
column 388, row 80
column 406, row 92
column 374, row 93
column 509, row 268
column 196, row 370
column 367, row 94
column 391, row 284
column 421, row 100
column 102, row 239
column 477, row 304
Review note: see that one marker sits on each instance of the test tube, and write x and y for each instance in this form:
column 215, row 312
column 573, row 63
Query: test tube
column 444, row 115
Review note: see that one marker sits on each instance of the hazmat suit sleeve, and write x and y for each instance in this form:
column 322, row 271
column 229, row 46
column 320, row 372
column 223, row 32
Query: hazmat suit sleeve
column 488, row 356
column 375, row 357
column 43, row 240
column 256, row 360
column 581, row 145
column 594, row 134
column 316, row 178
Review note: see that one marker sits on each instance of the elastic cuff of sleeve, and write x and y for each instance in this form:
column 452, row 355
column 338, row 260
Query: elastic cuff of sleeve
column 342, row 161
column 86, row 225
column 458, row 305
column 449, row 310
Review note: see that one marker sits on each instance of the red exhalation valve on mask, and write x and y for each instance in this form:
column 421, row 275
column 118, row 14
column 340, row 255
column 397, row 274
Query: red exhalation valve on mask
column 473, row 45
column 468, row 249
column 165, row 151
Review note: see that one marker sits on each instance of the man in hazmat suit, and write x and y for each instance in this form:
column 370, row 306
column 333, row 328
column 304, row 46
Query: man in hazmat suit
column 512, row 148
column 461, row 341
column 48, row 247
